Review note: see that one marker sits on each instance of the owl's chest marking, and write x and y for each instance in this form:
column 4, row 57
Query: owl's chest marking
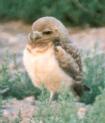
column 44, row 69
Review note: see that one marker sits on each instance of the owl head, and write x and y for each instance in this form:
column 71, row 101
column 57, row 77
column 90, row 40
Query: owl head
column 48, row 30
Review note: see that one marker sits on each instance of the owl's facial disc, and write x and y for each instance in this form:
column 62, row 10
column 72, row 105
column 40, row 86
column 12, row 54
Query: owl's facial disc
column 46, row 31
column 47, row 35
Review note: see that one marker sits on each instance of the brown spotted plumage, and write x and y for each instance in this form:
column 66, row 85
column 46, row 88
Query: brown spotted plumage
column 50, row 58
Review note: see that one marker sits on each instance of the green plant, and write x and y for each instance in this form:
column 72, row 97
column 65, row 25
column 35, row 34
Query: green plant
column 72, row 12
column 61, row 111
column 97, row 112
column 94, row 75
column 18, row 83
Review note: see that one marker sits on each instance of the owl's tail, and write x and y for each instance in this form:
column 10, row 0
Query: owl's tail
column 79, row 89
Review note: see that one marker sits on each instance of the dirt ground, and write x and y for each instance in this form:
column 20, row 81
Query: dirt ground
column 13, row 38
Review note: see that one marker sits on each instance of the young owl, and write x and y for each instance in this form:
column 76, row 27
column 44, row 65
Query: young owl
column 50, row 58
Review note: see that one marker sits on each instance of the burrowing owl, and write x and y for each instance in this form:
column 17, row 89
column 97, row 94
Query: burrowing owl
column 50, row 58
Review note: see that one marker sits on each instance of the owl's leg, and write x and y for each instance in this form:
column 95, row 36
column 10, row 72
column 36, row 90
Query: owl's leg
column 53, row 96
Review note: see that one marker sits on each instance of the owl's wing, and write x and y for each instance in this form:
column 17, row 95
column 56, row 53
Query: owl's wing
column 74, row 52
column 69, row 60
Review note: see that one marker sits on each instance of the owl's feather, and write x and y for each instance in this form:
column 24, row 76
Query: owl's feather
column 69, row 60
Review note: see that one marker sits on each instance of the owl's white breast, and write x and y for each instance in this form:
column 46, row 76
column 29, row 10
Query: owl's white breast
column 43, row 67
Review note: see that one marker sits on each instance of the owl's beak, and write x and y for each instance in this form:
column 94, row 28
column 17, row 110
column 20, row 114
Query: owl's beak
column 34, row 35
